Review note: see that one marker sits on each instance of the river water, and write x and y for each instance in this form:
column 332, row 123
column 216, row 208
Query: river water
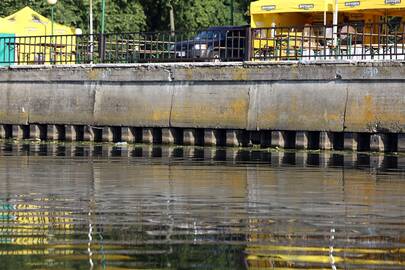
column 145, row 207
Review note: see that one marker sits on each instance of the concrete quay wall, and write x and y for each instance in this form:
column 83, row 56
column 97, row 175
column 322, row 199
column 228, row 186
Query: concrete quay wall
column 350, row 97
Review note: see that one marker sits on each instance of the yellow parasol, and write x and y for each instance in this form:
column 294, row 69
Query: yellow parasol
column 277, row 7
column 370, row 5
column 282, row 6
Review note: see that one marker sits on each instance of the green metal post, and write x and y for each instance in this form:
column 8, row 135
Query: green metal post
column 232, row 12
column 102, row 16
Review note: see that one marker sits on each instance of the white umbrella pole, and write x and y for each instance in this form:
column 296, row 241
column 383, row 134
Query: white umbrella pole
column 91, row 32
column 335, row 22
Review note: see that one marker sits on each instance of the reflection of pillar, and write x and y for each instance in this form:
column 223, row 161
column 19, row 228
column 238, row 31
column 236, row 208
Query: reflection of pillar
column 301, row 159
column 377, row 161
column 94, row 185
column 167, row 151
column 324, row 159
column 277, row 158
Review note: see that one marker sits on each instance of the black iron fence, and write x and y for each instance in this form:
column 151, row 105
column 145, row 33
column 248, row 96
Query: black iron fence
column 357, row 41
column 206, row 45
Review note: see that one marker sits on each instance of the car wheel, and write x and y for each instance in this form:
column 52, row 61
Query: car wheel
column 215, row 57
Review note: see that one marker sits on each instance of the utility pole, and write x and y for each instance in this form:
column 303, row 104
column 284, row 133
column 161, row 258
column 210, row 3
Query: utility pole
column 172, row 25
column 102, row 16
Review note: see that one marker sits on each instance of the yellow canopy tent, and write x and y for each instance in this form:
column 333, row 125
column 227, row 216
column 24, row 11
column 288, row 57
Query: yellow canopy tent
column 33, row 41
column 28, row 22
column 284, row 32
column 6, row 27
column 370, row 5
column 370, row 13
column 267, row 13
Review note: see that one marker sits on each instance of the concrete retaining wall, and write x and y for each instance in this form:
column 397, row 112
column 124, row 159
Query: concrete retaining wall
column 349, row 97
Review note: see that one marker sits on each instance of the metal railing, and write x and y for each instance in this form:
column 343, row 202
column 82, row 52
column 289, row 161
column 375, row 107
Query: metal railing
column 356, row 41
column 205, row 45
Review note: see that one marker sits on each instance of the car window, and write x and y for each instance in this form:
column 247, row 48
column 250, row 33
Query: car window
column 208, row 35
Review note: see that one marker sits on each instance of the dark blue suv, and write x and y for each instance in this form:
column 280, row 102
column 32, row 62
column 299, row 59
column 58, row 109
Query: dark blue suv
column 220, row 43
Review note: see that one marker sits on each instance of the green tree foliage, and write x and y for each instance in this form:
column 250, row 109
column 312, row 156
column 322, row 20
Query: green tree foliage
column 137, row 15
column 191, row 14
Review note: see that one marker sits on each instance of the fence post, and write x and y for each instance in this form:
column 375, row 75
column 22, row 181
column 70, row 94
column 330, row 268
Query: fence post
column 248, row 44
column 102, row 44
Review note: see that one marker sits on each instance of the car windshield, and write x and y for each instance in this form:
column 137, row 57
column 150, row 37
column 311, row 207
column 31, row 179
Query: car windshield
column 206, row 35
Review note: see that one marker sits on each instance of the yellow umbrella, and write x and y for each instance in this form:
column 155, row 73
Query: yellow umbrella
column 282, row 6
column 370, row 5
column 262, row 11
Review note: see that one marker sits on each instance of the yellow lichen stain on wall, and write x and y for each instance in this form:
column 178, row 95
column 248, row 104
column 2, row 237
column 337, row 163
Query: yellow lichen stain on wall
column 239, row 107
column 93, row 74
column 159, row 115
column 240, row 74
column 368, row 114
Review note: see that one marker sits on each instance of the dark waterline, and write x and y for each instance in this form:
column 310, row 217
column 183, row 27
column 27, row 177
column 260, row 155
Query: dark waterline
column 72, row 206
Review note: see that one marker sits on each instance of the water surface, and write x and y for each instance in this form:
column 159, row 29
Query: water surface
column 144, row 207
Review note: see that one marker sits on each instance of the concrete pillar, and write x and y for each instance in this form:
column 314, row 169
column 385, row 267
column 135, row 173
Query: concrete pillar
column 350, row 141
column 35, row 132
column 128, row 134
column 189, row 137
column 378, row 142
column 233, row 138
column 211, row 137
column 17, row 132
column 147, row 135
column 70, row 133
column 325, row 140
column 401, row 142
column 301, row 140
column 52, row 133
column 169, row 135
column 88, row 134
column 278, row 139
column 3, row 132
column 107, row 134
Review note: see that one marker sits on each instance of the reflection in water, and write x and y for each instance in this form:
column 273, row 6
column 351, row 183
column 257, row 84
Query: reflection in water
column 146, row 207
